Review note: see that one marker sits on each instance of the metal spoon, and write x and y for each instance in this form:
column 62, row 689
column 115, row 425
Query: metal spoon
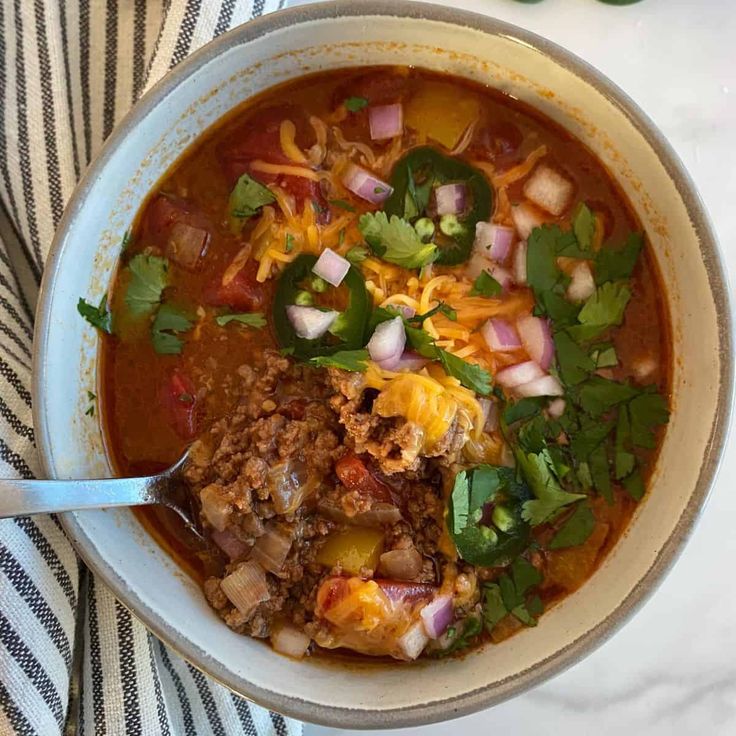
column 24, row 497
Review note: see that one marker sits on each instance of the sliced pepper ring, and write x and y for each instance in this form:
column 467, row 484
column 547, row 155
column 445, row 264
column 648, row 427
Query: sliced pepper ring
column 440, row 169
column 355, row 316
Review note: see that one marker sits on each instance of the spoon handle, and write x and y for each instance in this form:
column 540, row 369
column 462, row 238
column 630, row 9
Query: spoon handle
column 23, row 497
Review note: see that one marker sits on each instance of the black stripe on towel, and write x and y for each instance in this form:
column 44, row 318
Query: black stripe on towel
column 111, row 59
column 210, row 708
column 27, row 590
column 12, row 378
column 163, row 716
column 128, row 675
column 186, row 708
column 15, row 461
column 186, row 32
column 21, row 653
column 49, row 120
column 246, row 719
column 98, row 698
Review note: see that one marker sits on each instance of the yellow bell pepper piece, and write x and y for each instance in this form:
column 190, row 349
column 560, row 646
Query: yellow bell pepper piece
column 442, row 111
column 352, row 548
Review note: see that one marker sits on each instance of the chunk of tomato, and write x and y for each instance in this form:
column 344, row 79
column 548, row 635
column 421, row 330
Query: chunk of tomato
column 244, row 292
column 180, row 405
column 355, row 476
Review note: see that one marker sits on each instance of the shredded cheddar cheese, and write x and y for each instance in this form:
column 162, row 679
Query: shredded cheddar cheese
column 287, row 135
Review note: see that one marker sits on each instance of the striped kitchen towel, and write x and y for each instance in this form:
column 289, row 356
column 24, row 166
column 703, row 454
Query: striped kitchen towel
column 72, row 658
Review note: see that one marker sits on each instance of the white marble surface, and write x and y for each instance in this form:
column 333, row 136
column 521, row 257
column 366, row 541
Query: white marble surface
column 672, row 670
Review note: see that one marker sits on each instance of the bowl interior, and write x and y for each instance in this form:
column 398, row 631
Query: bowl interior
column 205, row 87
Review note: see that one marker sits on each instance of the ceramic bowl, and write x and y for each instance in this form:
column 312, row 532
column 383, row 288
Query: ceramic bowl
column 185, row 103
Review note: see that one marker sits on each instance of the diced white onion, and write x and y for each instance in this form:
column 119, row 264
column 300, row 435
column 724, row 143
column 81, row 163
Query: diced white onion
column 412, row 643
column 401, row 564
column 556, row 408
column 582, row 284
column 519, row 374
column 289, row 640
column 450, row 199
column 388, row 341
column 548, row 189
column 544, row 386
column 331, row 267
column 526, row 218
column 493, row 241
column 308, row 322
column 246, row 587
column 271, row 549
column 215, row 506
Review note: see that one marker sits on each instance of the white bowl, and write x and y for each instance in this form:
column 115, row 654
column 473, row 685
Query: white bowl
column 192, row 97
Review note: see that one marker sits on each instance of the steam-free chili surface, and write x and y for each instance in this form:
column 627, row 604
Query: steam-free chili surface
column 466, row 470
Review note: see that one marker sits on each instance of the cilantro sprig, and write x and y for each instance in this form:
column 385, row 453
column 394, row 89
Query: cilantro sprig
column 396, row 241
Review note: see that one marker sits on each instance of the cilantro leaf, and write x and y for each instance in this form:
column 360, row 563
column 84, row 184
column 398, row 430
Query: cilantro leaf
column 486, row 285
column 600, row 472
column 148, row 279
column 616, row 264
column 605, row 308
column 440, row 308
column 597, row 395
column 470, row 375
column 537, row 470
column 169, row 320
column 542, row 271
column 576, row 529
column 624, row 460
column 354, row 104
column 634, row 485
column 396, row 241
column 247, row 197
column 591, row 434
column 342, row 204
column 494, row 610
column 504, row 535
column 647, row 411
column 357, row 254
column 523, row 409
column 348, row 360
column 461, row 635
column 604, row 356
column 99, row 316
column 575, row 364
column 584, row 227
column 250, row 319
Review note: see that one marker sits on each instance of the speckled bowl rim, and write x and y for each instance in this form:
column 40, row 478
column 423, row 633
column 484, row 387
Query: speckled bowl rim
column 475, row 699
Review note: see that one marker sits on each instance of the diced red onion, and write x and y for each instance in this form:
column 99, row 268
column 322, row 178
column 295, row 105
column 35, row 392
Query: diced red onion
column 503, row 276
column 409, row 361
column 556, row 408
column 537, row 339
column 387, row 343
column 525, row 218
column 412, row 643
column 544, row 386
column 402, row 564
column 365, row 185
column 331, row 267
column 493, row 241
column 520, row 263
column 548, row 189
column 437, row 616
column 450, row 199
column 229, row 544
column 246, row 587
column 500, row 335
column 187, row 244
column 582, row 284
column 289, row 640
column 400, row 591
column 519, row 374
column 270, row 550
column 386, row 121
column 215, row 506
column 309, row 322
column 407, row 312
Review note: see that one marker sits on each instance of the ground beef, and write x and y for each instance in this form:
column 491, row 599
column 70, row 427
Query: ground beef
column 270, row 466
